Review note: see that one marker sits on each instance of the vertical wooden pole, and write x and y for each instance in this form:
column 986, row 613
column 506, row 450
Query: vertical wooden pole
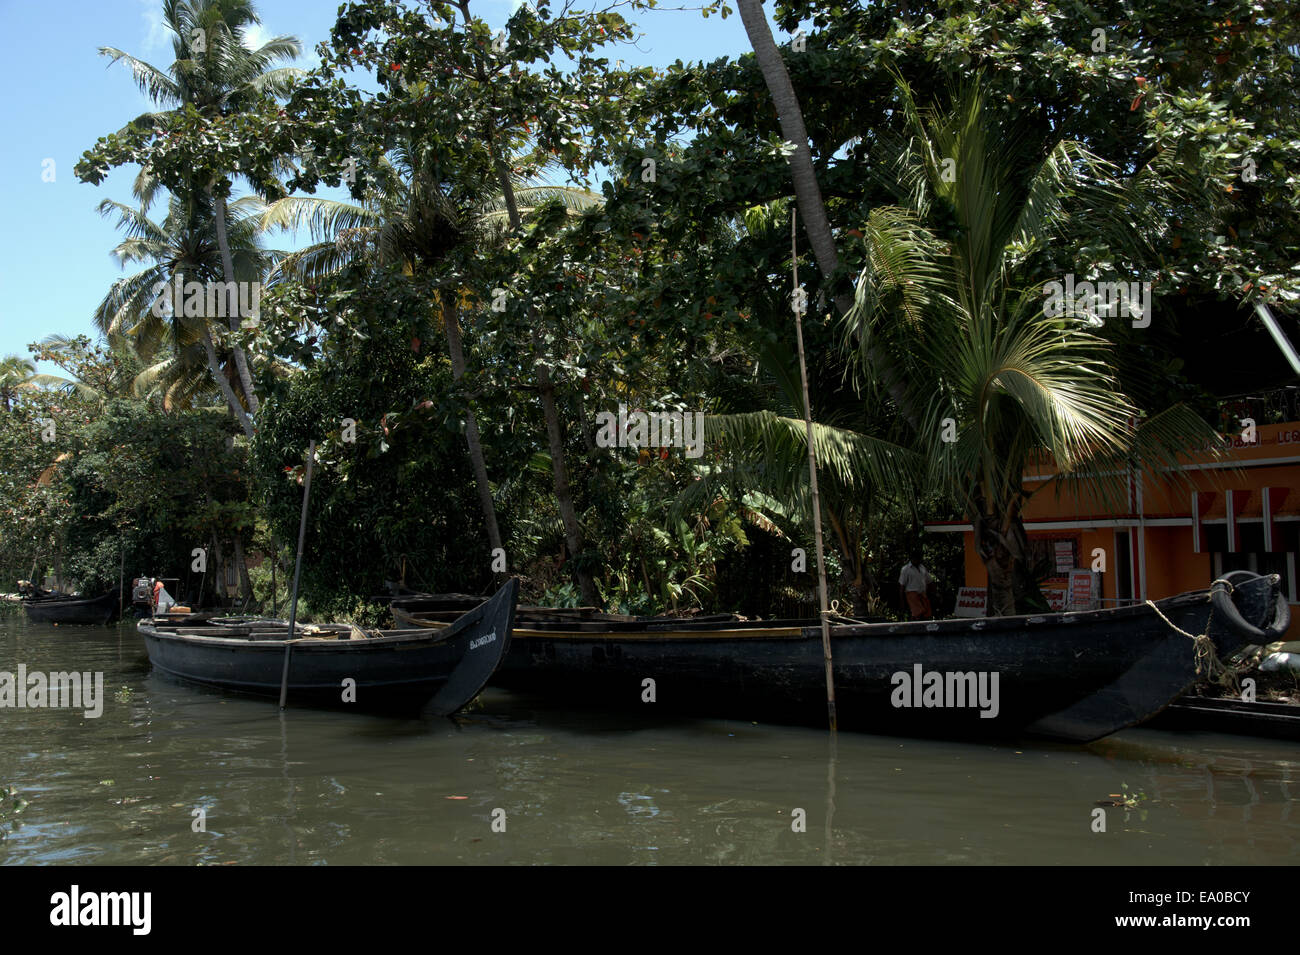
column 297, row 573
column 798, row 301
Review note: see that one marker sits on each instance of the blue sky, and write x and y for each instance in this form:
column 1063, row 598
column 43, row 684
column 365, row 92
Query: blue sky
column 55, row 265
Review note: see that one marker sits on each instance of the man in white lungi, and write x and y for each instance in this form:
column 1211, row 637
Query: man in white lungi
column 914, row 588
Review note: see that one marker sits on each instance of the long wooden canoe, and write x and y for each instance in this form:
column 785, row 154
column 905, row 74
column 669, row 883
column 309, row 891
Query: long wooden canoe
column 93, row 611
column 1076, row 676
column 433, row 670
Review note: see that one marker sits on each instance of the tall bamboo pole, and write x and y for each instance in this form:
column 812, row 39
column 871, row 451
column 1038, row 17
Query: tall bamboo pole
column 297, row 572
column 798, row 300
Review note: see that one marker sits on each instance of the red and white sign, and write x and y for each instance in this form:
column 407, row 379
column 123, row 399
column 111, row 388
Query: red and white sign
column 1064, row 552
column 971, row 601
column 1083, row 590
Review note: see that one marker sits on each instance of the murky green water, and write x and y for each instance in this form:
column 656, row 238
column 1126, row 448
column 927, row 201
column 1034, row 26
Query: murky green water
column 313, row 787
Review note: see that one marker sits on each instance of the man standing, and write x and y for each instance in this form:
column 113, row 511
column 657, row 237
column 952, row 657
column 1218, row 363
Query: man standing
column 914, row 587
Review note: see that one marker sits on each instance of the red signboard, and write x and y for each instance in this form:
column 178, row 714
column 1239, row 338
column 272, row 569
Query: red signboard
column 1081, row 590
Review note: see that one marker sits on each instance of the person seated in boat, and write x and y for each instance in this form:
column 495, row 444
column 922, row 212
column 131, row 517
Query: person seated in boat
column 162, row 600
column 915, row 586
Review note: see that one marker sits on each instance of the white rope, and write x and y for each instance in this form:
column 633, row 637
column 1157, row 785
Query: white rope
column 1206, row 658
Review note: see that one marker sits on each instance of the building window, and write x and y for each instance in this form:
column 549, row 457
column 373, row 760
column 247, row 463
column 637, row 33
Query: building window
column 1254, row 558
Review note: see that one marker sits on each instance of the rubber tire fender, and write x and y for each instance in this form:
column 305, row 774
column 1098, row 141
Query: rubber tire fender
column 1226, row 607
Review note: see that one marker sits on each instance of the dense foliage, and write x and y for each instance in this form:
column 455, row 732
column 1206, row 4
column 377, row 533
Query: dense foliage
column 538, row 237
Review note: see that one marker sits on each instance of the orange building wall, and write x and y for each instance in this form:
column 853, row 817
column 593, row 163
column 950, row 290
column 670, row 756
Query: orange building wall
column 1172, row 566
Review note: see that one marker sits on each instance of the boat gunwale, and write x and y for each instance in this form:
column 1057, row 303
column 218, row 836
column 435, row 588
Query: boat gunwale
column 806, row 629
column 427, row 635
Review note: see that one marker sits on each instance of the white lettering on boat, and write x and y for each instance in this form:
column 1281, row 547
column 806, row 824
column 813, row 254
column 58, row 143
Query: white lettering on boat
column 482, row 641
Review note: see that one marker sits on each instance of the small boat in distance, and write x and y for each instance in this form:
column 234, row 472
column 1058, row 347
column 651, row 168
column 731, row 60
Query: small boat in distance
column 87, row 611
column 431, row 671
column 1075, row 676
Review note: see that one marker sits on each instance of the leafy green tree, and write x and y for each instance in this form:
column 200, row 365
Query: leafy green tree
column 412, row 220
column 397, row 502
column 148, row 489
column 37, row 434
column 216, row 88
column 467, row 104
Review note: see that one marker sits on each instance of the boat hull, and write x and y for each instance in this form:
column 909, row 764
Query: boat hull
column 1075, row 676
column 95, row 612
column 435, row 672
column 1237, row 717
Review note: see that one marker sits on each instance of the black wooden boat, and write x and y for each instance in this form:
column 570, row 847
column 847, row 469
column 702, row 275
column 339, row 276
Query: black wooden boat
column 93, row 611
column 1210, row 714
column 1075, row 676
column 432, row 671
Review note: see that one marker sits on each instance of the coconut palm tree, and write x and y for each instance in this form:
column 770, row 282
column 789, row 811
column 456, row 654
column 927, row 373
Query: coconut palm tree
column 952, row 292
column 807, row 191
column 184, row 359
column 16, row 374
column 216, row 73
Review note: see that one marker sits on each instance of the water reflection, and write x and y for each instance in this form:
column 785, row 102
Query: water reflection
column 311, row 787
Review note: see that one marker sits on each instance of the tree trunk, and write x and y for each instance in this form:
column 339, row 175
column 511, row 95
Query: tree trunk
column 545, row 386
column 1001, row 590
column 233, row 319
column 1003, row 546
column 560, row 473
column 241, row 564
column 807, row 192
column 219, row 577
column 555, row 437
column 451, row 324
column 214, row 367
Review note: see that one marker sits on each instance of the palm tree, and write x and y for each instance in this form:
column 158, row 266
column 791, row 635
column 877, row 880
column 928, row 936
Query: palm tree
column 16, row 374
column 952, row 291
column 185, row 361
column 808, row 195
column 412, row 219
column 215, row 73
